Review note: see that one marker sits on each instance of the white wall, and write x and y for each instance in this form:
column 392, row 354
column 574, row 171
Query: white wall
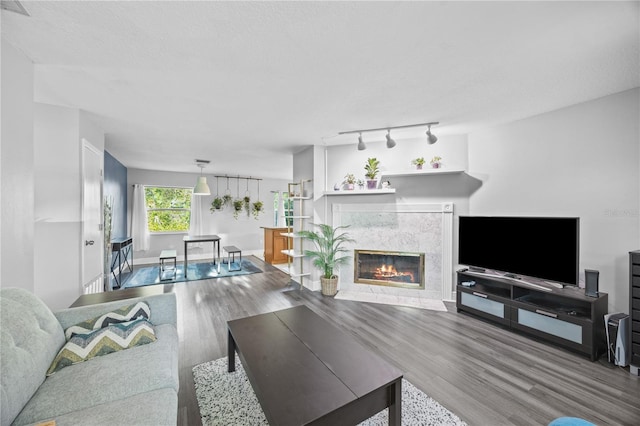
column 245, row 232
column 16, row 171
column 578, row 161
column 422, row 189
column 58, row 133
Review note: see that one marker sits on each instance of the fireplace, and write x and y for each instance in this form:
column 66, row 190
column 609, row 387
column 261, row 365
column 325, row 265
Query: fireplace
column 389, row 268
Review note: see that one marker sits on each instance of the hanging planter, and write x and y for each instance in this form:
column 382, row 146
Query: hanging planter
column 247, row 200
column 258, row 207
column 217, row 202
column 237, row 207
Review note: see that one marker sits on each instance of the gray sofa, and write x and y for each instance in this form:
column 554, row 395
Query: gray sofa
column 137, row 386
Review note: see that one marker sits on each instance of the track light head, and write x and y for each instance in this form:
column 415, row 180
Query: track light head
column 361, row 145
column 390, row 142
column 431, row 138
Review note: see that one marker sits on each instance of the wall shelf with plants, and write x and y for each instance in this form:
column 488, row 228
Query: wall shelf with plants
column 422, row 172
column 378, row 191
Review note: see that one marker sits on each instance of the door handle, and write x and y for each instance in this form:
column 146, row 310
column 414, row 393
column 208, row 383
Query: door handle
column 484, row 296
column 545, row 313
column 88, row 243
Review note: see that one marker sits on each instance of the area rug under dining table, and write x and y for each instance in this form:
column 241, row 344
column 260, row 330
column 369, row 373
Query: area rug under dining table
column 228, row 399
column 143, row 276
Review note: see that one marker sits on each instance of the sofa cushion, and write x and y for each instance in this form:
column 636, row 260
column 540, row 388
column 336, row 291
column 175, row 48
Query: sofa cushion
column 155, row 408
column 113, row 338
column 124, row 314
column 107, row 378
column 31, row 338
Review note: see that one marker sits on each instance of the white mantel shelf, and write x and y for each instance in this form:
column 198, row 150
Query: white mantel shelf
column 361, row 191
column 423, row 172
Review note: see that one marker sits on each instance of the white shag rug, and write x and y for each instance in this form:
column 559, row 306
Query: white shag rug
column 228, row 399
column 389, row 299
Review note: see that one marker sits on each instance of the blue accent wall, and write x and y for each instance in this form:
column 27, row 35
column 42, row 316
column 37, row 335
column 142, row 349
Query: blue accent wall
column 115, row 186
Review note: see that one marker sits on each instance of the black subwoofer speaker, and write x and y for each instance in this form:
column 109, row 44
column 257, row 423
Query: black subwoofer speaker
column 591, row 282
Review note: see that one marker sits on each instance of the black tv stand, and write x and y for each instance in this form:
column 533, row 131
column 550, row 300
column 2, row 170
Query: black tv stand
column 562, row 316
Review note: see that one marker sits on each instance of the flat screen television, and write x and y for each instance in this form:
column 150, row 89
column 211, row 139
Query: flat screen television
column 539, row 247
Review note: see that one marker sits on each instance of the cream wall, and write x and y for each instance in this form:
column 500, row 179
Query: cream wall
column 16, row 171
column 580, row 161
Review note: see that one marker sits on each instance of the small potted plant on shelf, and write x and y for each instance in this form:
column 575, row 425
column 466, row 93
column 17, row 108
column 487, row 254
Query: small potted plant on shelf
column 372, row 170
column 436, row 162
column 360, row 184
column 418, row 162
column 349, row 181
column 329, row 253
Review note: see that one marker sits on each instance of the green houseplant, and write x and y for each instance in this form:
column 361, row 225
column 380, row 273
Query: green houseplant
column 372, row 169
column 329, row 253
column 350, row 180
column 238, row 205
column 216, row 204
column 436, row 162
column 418, row 162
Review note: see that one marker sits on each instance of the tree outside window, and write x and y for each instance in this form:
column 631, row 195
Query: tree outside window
column 168, row 209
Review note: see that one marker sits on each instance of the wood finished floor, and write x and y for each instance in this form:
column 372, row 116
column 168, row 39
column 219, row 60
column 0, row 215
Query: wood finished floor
column 485, row 374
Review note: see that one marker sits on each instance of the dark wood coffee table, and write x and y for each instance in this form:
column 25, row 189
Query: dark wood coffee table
column 306, row 371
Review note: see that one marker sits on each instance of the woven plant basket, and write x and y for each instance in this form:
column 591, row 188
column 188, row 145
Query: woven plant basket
column 329, row 286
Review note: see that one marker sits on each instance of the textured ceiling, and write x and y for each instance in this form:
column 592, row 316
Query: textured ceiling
column 246, row 84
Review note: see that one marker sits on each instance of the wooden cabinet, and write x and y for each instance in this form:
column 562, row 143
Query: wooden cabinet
column 274, row 244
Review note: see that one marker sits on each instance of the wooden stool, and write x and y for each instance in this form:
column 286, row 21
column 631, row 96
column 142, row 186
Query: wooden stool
column 164, row 256
column 231, row 256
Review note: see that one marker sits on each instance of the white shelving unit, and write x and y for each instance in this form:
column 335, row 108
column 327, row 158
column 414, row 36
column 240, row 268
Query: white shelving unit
column 295, row 224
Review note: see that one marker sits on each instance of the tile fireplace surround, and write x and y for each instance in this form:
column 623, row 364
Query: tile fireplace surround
column 423, row 228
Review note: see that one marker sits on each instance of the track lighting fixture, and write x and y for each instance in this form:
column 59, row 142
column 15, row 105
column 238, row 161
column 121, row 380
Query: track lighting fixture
column 390, row 142
column 201, row 187
column 431, row 138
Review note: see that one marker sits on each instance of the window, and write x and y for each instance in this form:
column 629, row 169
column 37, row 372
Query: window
column 168, row 209
column 288, row 208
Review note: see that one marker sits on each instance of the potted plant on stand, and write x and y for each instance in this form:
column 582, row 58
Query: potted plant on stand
column 329, row 253
column 436, row 162
column 372, row 172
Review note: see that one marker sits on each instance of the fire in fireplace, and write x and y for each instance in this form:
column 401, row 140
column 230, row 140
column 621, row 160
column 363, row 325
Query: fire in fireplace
column 390, row 268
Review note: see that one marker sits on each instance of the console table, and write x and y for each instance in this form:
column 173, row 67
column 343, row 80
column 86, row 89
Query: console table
column 565, row 317
column 122, row 247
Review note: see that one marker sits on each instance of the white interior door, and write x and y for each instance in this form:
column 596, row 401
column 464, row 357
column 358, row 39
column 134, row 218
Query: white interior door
column 92, row 241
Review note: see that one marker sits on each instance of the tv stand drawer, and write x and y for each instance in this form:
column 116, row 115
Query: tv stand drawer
column 547, row 322
column 484, row 305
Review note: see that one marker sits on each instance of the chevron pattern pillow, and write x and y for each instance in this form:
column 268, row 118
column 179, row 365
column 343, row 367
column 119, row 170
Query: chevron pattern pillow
column 113, row 338
column 124, row 314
